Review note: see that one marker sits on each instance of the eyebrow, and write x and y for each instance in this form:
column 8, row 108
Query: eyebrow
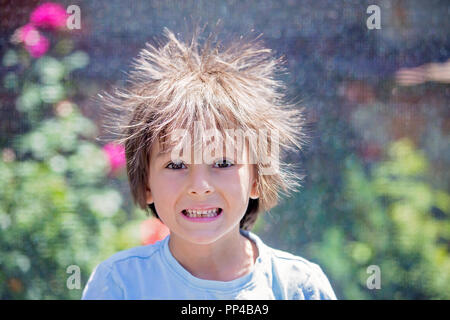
column 161, row 154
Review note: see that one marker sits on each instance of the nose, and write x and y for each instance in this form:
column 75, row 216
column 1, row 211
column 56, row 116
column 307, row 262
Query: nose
column 199, row 181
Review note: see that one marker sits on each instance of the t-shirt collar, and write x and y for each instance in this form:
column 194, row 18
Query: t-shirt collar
column 235, row 284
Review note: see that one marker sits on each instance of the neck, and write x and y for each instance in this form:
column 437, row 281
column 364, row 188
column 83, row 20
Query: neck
column 228, row 258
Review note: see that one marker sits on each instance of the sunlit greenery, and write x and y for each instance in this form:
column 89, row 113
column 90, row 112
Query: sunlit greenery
column 56, row 208
column 389, row 216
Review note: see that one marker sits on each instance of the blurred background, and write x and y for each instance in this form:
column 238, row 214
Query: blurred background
column 376, row 191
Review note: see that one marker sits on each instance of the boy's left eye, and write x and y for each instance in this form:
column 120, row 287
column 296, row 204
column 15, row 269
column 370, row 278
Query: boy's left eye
column 222, row 163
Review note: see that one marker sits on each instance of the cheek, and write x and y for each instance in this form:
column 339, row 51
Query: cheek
column 245, row 176
column 164, row 189
column 237, row 183
column 165, row 195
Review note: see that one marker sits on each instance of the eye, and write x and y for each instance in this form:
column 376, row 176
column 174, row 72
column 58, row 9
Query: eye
column 224, row 163
column 175, row 166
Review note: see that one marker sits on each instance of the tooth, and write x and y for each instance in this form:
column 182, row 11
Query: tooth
column 202, row 213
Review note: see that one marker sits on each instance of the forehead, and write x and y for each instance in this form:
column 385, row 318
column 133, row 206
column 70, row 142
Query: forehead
column 157, row 150
column 229, row 141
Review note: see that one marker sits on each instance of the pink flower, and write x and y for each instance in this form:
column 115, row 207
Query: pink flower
column 49, row 16
column 35, row 43
column 116, row 155
column 29, row 31
column 153, row 230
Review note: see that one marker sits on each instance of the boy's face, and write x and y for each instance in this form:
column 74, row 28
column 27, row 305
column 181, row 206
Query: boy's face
column 175, row 187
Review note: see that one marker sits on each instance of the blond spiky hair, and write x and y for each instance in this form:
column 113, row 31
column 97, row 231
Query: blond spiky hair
column 175, row 84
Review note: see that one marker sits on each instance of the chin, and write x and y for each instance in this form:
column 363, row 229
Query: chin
column 202, row 237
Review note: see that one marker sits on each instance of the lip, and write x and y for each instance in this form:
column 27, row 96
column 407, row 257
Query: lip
column 201, row 208
column 205, row 219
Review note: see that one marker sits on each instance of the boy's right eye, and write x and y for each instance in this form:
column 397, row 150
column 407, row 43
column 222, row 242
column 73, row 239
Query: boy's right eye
column 175, row 166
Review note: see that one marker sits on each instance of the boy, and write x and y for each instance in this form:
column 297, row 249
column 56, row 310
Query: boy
column 209, row 200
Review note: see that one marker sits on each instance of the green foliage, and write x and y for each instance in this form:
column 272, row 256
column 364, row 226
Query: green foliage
column 383, row 216
column 56, row 209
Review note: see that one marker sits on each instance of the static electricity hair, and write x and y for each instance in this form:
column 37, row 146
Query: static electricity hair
column 174, row 84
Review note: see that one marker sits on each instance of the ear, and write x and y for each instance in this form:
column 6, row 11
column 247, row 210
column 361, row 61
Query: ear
column 149, row 196
column 254, row 194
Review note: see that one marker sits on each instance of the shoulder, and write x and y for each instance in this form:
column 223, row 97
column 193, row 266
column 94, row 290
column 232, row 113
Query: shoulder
column 303, row 279
column 110, row 278
column 282, row 260
column 132, row 255
column 291, row 260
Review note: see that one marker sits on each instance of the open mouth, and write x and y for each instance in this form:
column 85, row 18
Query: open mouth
column 199, row 214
